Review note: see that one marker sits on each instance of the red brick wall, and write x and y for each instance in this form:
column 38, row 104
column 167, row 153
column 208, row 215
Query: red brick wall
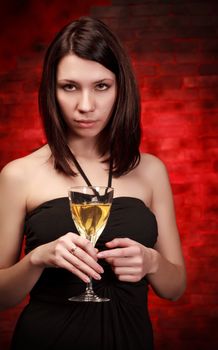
column 174, row 49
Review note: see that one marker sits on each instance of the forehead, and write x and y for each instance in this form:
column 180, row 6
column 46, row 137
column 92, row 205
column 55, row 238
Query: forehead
column 75, row 68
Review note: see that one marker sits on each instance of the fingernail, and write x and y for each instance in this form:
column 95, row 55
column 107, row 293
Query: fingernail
column 87, row 279
column 101, row 270
column 97, row 277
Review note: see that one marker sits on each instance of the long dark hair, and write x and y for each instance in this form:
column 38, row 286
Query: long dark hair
column 91, row 39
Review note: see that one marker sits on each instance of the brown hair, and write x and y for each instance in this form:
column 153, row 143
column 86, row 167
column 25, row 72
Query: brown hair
column 91, row 39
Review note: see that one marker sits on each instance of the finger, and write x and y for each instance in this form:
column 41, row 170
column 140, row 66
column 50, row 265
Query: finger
column 129, row 278
column 82, row 266
column 126, row 270
column 121, row 262
column 74, row 239
column 86, row 245
column 87, row 259
column 110, row 261
column 116, row 253
column 68, row 266
column 72, row 249
column 120, row 242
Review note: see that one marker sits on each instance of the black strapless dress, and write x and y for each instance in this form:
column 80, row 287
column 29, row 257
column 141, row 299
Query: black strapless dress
column 51, row 322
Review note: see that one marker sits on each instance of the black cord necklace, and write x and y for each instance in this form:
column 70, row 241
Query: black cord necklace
column 86, row 178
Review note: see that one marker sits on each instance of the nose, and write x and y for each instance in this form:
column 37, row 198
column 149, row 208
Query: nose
column 86, row 102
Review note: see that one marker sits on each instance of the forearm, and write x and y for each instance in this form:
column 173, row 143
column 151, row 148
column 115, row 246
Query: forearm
column 16, row 281
column 168, row 280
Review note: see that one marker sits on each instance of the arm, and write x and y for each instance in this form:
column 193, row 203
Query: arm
column 17, row 278
column 163, row 265
column 169, row 278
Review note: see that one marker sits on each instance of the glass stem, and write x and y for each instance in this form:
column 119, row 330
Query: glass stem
column 89, row 288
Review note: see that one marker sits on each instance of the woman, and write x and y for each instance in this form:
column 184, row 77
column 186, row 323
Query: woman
column 89, row 103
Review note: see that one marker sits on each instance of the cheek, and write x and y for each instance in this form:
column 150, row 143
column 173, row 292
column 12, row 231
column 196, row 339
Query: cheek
column 64, row 103
column 108, row 106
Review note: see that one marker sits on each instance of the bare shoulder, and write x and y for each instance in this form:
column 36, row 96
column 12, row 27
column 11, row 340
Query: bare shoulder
column 152, row 167
column 156, row 174
column 21, row 169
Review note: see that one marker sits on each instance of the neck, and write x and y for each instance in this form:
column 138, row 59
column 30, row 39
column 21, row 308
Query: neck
column 85, row 148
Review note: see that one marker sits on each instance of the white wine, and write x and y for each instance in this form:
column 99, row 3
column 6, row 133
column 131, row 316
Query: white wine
column 90, row 219
column 90, row 208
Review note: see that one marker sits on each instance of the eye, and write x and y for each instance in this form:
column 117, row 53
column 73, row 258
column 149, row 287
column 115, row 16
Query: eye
column 69, row 87
column 102, row 86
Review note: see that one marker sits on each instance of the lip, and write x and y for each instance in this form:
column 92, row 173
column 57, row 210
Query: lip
column 85, row 123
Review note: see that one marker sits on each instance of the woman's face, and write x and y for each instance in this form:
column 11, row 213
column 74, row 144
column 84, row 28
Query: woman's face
column 86, row 93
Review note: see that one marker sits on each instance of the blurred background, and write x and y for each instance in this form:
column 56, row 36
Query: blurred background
column 173, row 45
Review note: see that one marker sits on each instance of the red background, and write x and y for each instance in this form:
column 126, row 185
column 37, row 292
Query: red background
column 174, row 49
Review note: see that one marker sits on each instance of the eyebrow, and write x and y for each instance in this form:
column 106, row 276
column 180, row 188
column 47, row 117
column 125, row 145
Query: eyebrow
column 70, row 81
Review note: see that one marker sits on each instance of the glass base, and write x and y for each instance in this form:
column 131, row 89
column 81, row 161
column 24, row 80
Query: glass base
column 88, row 296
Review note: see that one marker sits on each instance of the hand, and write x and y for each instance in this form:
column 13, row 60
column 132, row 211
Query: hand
column 130, row 260
column 71, row 252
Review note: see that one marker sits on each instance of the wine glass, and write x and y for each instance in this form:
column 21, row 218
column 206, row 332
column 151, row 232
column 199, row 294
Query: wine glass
column 90, row 208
